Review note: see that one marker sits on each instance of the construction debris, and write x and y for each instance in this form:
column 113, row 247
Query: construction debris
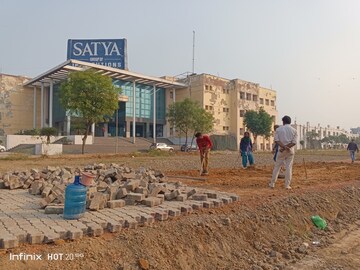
column 114, row 186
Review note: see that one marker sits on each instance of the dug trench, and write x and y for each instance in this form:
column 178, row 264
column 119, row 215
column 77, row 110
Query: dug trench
column 266, row 229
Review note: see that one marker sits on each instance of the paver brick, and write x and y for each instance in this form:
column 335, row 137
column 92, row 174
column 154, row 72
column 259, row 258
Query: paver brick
column 8, row 241
column 115, row 203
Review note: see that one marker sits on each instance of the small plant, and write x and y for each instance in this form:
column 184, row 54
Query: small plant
column 48, row 132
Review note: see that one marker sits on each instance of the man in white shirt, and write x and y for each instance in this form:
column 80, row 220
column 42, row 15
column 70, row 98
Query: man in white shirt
column 285, row 137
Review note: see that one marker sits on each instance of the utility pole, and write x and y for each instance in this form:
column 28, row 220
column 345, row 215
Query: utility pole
column 193, row 54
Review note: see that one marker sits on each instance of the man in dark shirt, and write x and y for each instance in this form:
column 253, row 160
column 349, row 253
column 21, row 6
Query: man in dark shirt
column 352, row 147
column 204, row 143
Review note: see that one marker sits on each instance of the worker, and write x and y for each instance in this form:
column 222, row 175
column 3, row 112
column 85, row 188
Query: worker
column 285, row 137
column 275, row 151
column 204, row 143
column 246, row 150
column 352, row 147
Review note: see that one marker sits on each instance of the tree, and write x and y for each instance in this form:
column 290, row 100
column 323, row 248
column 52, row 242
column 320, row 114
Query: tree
column 313, row 139
column 48, row 132
column 89, row 95
column 188, row 117
column 258, row 123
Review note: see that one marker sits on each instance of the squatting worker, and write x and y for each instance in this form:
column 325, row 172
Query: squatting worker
column 204, row 143
column 285, row 137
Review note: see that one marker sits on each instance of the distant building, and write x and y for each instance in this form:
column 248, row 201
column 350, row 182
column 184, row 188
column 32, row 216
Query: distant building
column 308, row 132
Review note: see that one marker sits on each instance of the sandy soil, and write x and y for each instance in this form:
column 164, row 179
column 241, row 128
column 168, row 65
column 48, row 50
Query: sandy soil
column 267, row 229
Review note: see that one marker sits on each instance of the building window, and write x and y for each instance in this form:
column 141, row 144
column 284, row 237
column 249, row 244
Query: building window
column 206, row 87
column 242, row 113
column 210, row 87
column 226, row 110
column 210, row 108
column 242, row 95
column 272, row 103
column 241, row 131
column 248, row 96
column 266, row 102
column 255, row 98
column 206, row 107
column 225, row 128
column 261, row 101
column 171, row 95
column 267, row 146
column 224, row 91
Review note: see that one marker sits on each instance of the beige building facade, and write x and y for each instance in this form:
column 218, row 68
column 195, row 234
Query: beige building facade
column 228, row 100
column 16, row 105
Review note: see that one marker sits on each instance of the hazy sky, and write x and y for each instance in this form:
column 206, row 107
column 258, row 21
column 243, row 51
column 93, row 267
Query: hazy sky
column 308, row 51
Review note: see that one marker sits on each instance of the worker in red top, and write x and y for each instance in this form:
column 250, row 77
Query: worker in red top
column 204, row 143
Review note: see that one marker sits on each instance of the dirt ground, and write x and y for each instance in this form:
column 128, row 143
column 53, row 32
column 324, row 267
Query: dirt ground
column 266, row 229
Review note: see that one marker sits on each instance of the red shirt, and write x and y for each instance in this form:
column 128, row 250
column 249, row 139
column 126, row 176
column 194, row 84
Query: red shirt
column 204, row 142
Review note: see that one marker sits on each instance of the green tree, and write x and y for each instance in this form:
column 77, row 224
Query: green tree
column 258, row 123
column 48, row 132
column 313, row 139
column 89, row 95
column 188, row 117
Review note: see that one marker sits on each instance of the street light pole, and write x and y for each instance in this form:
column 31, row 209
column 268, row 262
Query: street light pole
column 116, row 130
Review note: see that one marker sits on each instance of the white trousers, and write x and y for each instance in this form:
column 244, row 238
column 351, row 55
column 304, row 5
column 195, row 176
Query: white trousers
column 283, row 158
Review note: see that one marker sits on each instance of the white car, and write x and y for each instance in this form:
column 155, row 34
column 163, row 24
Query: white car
column 161, row 146
column 2, row 148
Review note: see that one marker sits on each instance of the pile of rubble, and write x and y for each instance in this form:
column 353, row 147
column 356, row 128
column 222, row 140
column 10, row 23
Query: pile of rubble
column 114, row 186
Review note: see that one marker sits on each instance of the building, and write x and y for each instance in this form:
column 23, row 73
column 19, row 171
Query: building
column 16, row 105
column 34, row 103
column 228, row 100
column 306, row 133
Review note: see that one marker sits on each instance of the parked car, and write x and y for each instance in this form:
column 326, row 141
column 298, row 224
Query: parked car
column 2, row 148
column 188, row 147
column 161, row 146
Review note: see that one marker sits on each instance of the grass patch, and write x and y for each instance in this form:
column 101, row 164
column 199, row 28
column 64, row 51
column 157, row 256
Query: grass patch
column 15, row 156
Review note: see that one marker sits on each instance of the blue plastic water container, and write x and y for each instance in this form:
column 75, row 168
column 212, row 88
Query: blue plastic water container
column 75, row 200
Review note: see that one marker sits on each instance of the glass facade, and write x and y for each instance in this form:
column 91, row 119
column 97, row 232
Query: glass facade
column 143, row 100
column 143, row 112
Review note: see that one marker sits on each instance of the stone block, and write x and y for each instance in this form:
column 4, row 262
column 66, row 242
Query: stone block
column 8, row 241
column 142, row 190
column 182, row 197
column 138, row 197
column 95, row 229
column 54, row 209
column 46, row 191
column 35, row 188
column 112, row 191
column 43, row 203
column 97, row 202
column 211, row 195
column 115, row 203
column 129, row 175
column 161, row 197
column 151, row 201
column 35, row 237
column 102, row 186
column 122, row 192
column 190, row 193
column 172, row 195
column 50, row 198
column 132, row 185
column 200, row 197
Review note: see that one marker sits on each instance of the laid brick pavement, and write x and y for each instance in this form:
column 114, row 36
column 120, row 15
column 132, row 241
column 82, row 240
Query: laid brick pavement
column 22, row 220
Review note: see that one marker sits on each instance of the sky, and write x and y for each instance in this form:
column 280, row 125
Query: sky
column 308, row 51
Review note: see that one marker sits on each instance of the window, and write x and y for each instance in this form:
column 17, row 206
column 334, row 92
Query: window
column 206, row 107
column 255, row 97
column 225, row 128
column 210, row 108
column 226, row 110
column 266, row 102
column 272, row 103
column 248, row 96
column 206, row 87
column 261, row 101
column 242, row 95
column 224, row 91
column 242, row 113
column 241, row 131
column 210, row 87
